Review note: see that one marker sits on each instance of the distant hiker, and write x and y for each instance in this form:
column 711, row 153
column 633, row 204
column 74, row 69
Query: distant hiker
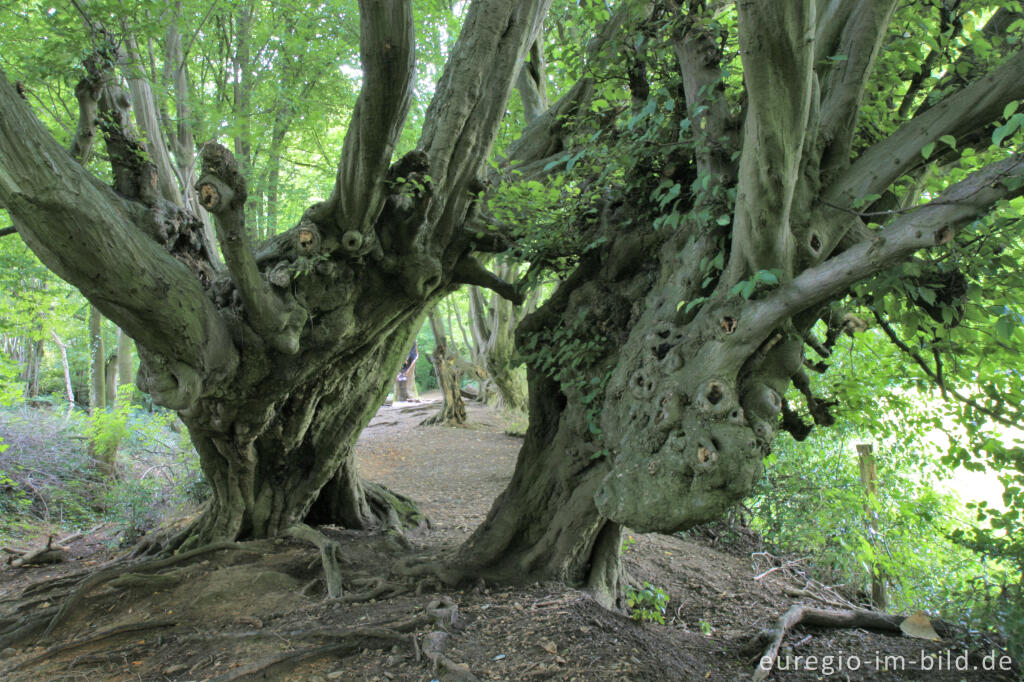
column 405, row 390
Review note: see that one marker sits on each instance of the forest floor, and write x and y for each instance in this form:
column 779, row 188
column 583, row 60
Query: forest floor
column 259, row 612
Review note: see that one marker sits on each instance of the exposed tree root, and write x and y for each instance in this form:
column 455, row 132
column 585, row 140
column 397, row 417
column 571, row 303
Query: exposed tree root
column 396, row 511
column 379, row 589
column 440, row 570
column 330, row 555
column 155, row 581
column 45, row 621
column 434, row 644
column 806, row 615
column 92, row 639
column 442, row 612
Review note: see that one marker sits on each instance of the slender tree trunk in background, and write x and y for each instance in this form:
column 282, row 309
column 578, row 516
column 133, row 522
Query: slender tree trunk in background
column 493, row 326
column 69, row 390
column 453, row 409
column 869, row 477
column 125, row 366
column 411, row 387
column 242, row 66
column 97, row 364
column 33, row 361
column 110, row 381
column 102, row 454
column 273, row 176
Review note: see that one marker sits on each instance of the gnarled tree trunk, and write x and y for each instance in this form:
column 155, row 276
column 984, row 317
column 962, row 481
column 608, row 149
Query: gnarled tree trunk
column 276, row 363
column 657, row 377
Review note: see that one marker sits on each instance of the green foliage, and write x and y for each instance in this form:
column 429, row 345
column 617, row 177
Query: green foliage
column 812, row 501
column 107, row 428
column 132, row 506
column 571, row 354
column 49, row 482
column 538, row 215
column 648, row 604
column 762, row 279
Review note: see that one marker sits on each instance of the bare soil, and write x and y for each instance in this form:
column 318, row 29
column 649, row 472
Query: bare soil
column 259, row 611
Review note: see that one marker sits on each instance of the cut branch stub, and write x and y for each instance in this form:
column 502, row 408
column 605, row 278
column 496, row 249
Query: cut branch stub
column 352, row 241
column 215, row 196
column 221, row 171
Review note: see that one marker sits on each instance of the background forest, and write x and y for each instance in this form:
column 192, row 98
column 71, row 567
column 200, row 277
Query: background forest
column 925, row 366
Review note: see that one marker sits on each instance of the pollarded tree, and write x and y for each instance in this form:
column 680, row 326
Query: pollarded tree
column 276, row 363
column 720, row 220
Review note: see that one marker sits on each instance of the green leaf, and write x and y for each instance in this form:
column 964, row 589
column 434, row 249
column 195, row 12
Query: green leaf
column 694, row 303
column 769, row 277
column 1010, row 109
column 1004, row 328
column 948, row 139
column 1007, row 129
column 927, row 150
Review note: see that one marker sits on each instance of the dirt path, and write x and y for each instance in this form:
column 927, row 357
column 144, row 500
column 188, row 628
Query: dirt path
column 261, row 610
column 453, row 473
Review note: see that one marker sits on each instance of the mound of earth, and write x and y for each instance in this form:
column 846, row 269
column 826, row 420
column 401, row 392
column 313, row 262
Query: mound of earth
column 258, row 610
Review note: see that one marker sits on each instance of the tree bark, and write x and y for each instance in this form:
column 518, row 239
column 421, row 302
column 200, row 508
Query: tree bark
column 110, row 381
column 545, row 526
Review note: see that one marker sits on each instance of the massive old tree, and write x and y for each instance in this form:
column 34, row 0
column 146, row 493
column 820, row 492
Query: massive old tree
column 278, row 360
column 720, row 220
column 725, row 171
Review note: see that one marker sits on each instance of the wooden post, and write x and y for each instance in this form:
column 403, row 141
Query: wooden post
column 869, row 477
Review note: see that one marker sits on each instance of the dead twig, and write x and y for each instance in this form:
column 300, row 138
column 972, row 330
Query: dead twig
column 787, row 564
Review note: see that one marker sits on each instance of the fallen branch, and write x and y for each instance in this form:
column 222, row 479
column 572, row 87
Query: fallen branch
column 48, row 554
column 792, row 562
column 805, row 615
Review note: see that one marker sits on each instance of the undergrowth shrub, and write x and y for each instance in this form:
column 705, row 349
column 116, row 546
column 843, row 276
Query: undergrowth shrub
column 48, row 478
column 49, row 482
column 134, row 506
column 812, row 502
